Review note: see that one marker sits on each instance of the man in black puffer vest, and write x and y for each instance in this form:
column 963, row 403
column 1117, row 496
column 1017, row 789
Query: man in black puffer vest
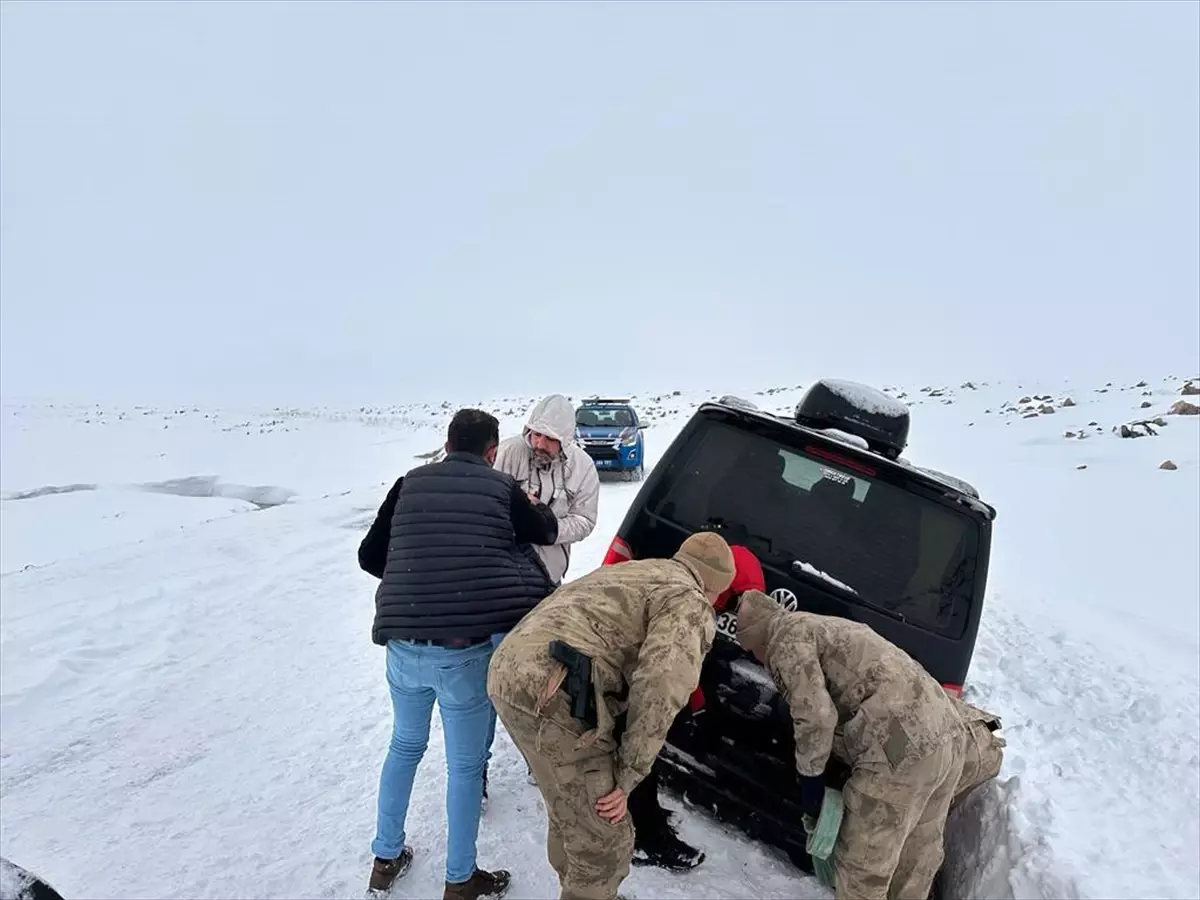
column 451, row 547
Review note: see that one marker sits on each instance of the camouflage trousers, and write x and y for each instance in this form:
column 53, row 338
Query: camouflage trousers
column 983, row 752
column 591, row 856
column 891, row 842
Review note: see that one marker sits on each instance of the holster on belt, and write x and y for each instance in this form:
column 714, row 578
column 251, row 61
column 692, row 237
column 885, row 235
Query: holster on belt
column 574, row 678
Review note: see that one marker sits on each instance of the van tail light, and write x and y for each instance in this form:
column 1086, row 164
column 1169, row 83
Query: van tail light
column 618, row 552
column 954, row 690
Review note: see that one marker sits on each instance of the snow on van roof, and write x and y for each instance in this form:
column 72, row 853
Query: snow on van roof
column 967, row 490
column 734, row 400
column 866, row 398
column 846, row 437
column 963, row 487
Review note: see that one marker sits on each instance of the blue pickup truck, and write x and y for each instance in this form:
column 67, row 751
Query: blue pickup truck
column 609, row 430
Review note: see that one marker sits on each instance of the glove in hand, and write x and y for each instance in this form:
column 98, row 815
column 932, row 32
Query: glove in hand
column 812, row 794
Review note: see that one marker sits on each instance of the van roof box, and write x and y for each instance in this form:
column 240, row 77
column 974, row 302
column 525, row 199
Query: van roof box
column 857, row 409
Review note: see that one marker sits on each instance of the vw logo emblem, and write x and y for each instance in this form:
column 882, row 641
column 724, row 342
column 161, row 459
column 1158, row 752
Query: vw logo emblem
column 786, row 599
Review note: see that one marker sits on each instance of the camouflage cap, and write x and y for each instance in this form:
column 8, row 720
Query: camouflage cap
column 756, row 612
column 710, row 558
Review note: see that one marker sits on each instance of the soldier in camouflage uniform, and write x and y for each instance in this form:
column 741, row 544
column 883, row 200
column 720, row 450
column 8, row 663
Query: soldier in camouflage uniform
column 646, row 625
column 902, row 737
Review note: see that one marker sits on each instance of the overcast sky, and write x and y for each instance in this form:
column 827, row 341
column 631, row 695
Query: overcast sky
column 344, row 201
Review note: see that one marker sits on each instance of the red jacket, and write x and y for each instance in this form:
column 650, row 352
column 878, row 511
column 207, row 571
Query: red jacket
column 747, row 575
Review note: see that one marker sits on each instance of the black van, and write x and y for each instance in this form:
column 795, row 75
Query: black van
column 843, row 526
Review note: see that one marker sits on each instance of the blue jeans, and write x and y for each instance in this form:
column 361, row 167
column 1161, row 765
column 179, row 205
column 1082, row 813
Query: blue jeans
column 418, row 674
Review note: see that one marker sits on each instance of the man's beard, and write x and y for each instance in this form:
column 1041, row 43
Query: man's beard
column 542, row 459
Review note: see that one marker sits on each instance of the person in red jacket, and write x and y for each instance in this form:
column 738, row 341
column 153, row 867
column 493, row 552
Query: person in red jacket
column 748, row 577
column 655, row 841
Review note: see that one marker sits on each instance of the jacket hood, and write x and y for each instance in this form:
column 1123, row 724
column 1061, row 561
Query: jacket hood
column 747, row 576
column 553, row 416
column 756, row 614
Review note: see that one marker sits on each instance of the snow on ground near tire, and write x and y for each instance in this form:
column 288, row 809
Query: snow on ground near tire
column 192, row 707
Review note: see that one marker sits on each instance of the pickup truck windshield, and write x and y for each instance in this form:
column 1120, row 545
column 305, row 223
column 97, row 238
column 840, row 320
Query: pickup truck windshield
column 813, row 514
column 604, row 417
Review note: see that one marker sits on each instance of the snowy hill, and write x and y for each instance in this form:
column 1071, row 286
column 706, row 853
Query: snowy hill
column 192, row 706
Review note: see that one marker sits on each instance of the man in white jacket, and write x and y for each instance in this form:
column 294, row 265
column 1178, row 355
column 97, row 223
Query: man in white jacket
column 552, row 469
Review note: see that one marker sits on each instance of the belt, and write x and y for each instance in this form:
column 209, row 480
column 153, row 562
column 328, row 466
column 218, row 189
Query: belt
column 449, row 643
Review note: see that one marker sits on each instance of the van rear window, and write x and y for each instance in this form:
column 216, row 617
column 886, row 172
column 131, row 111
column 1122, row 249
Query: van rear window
column 806, row 507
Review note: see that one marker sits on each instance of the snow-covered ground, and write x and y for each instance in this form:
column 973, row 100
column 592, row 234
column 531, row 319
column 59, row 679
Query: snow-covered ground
column 191, row 705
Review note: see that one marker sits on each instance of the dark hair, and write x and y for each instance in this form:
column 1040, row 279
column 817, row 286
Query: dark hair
column 472, row 431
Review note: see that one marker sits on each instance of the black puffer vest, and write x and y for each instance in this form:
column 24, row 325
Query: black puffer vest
column 454, row 568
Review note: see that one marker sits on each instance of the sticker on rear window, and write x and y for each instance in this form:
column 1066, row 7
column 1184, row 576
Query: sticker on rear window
column 835, row 475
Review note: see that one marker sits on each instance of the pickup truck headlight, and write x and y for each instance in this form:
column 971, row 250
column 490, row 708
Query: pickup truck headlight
column 628, row 437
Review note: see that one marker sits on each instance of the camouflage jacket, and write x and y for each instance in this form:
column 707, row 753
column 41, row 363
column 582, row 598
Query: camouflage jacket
column 834, row 672
column 647, row 627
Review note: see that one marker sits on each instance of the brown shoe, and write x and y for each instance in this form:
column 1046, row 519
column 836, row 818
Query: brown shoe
column 480, row 886
column 384, row 872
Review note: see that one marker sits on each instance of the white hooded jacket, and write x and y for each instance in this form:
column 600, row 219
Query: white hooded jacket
column 569, row 486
